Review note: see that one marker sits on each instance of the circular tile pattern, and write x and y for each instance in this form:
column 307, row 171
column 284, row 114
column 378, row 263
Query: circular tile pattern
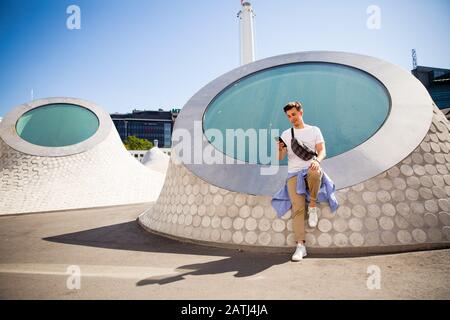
column 251, row 237
column 416, row 220
column 392, row 172
column 386, row 223
column 443, row 169
column 438, row 180
column 417, row 207
column 413, row 182
column 430, row 169
column 383, row 196
column 344, row 212
column 373, row 238
column 434, row 234
column 324, row 240
column 340, row 225
column 227, row 223
column 426, row 181
column 245, row 212
column 398, row 195
column 278, row 225
column 388, row 237
column 401, row 222
column 419, row 170
column 399, row 183
column 196, row 221
column 419, row 235
column 374, row 210
column 324, row 225
column 238, row 237
column 356, row 239
column 406, row 170
column 206, row 221
column 355, row 224
column 425, row 193
column 404, row 237
column 371, row 224
column 435, row 147
column 278, row 239
column 431, row 219
column 264, row 224
column 412, row 194
column 264, row 238
column 238, row 223
column 215, row 235
column 444, row 217
column 429, row 158
column 417, row 158
column 340, row 240
column 215, row 222
column 444, row 204
column 310, row 239
column 251, row 224
column 372, row 185
column 425, row 146
column 290, row 240
column 257, row 212
column 431, row 205
column 359, row 211
column 218, row 199
column 233, row 211
column 388, row 209
column 369, row 197
column 239, row 200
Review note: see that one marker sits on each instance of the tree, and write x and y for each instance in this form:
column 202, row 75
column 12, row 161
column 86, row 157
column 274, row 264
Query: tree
column 135, row 143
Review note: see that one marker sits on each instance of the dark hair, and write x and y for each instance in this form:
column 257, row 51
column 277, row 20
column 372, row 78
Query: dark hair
column 297, row 105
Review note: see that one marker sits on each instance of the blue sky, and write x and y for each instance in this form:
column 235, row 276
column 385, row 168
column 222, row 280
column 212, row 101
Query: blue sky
column 156, row 54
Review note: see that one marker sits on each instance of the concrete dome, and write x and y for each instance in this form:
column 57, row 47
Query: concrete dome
column 156, row 160
column 393, row 189
column 95, row 171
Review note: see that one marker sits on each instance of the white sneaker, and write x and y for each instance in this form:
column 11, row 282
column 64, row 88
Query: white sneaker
column 299, row 253
column 312, row 217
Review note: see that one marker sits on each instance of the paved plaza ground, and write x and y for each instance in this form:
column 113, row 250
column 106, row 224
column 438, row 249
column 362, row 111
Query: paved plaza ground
column 119, row 260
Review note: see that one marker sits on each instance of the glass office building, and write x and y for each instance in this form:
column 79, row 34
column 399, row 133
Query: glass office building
column 150, row 125
column 437, row 82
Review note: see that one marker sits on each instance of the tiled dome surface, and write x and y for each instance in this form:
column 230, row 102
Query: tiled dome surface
column 406, row 207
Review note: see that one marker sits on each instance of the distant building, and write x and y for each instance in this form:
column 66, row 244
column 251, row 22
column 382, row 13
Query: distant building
column 145, row 124
column 437, row 82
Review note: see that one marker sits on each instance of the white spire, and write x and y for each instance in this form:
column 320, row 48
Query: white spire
column 247, row 35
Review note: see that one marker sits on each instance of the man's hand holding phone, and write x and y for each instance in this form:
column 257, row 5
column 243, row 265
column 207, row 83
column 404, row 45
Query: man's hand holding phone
column 281, row 144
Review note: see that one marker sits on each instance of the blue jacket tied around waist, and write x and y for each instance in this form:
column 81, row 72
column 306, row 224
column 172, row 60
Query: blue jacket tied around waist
column 282, row 203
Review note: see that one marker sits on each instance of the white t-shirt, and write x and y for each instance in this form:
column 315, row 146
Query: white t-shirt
column 309, row 135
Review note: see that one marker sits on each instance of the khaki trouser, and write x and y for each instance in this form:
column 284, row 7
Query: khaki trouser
column 299, row 202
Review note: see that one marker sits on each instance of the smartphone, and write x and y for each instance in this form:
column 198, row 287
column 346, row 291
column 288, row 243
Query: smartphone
column 280, row 140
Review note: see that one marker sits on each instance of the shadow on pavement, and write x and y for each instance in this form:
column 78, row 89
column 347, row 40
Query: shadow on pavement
column 244, row 264
column 130, row 236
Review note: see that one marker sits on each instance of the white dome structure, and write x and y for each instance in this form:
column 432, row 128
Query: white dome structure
column 387, row 153
column 65, row 153
column 156, row 160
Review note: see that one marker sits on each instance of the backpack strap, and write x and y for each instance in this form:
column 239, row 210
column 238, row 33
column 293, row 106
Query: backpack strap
column 292, row 132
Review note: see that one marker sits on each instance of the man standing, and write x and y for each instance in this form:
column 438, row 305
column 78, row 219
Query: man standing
column 312, row 137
